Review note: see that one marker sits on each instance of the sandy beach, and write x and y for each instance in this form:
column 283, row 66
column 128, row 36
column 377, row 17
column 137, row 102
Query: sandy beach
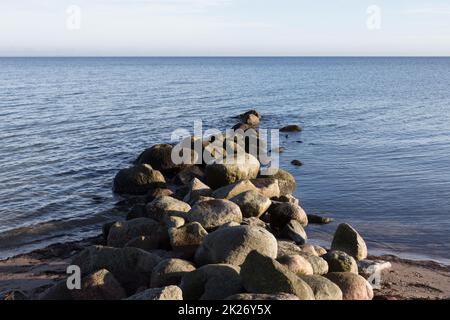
column 34, row 272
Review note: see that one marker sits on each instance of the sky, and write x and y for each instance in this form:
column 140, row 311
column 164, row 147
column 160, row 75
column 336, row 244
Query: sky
column 224, row 28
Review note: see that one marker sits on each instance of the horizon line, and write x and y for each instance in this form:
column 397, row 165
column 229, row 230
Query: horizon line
column 227, row 56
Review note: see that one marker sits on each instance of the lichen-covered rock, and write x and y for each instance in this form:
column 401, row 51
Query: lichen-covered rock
column 165, row 293
column 123, row 231
column 262, row 296
column 231, row 171
column 323, row 288
column 294, row 231
column 252, row 203
column 169, row 272
column 347, row 239
column 132, row 267
column 166, row 206
column 296, row 264
column 197, row 189
column 281, row 213
column 138, row 179
column 159, row 157
column 353, row 286
column 339, row 261
column 262, row 274
column 232, row 245
column 211, row 282
column 268, row 187
column 212, row 214
column 187, row 238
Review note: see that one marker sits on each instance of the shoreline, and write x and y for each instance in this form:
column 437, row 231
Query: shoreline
column 32, row 273
column 219, row 220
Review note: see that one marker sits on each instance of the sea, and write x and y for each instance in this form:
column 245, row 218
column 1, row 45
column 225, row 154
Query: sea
column 375, row 144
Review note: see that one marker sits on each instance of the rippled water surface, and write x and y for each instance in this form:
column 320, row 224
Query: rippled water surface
column 376, row 139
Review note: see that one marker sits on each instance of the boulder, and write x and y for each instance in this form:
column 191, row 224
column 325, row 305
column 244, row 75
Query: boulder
column 132, row 267
column 186, row 175
column 291, row 128
column 211, row 282
column 294, row 231
column 122, row 232
column 339, row 261
column 137, row 211
column 169, row 272
column 227, row 172
column 353, row 286
column 159, row 157
column 233, row 190
column 252, row 203
column 267, row 187
column 286, row 182
column 281, row 213
column 232, row 245
column 287, row 198
column 148, row 243
column 262, row 274
column 262, row 296
column 165, row 293
column 309, row 249
column 166, row 206
column 297, row 163
column 158, row 192
column 197, row 189
column 100, row 285
column 250, row 112
column 250, row 119
column 138, row 179
column 187, row 238
column 212, row 214
column 323, row 288
column 173, row 221
column 319, row 265
column 297, row 264
column 347, row 239
column 253, row 222
column 287, row 248
column 319, row 250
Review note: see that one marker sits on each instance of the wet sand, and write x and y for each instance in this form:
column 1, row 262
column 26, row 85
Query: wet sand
column 32, row 273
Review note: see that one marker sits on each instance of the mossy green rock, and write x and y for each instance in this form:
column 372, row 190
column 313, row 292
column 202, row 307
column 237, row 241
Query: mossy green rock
column 339, row 261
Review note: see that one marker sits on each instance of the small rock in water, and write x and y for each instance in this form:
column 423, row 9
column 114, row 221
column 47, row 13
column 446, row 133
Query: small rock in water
column 316, row 219
column 291, row 128
column 138, row 180
column 297, row 163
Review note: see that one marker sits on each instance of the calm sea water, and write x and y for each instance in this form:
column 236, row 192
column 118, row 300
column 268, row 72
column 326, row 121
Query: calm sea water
column 376, row 140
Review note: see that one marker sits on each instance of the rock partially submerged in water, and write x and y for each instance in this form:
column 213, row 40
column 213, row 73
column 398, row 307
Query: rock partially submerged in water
column 281, row 213
column 138, row 179
column 159, row 157
column 291, row 128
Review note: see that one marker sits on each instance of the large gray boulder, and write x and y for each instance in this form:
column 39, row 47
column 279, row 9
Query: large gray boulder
column 164, row 206
column 262, row 274
column 132, row 267
column 232, row 245
column 294, row 231
column 323, row 288
column 211, row 282
column 123, row 231
column 252, row 203
column 268, row 187
column 353, row 286
column 165, row 293
column 286, row 182
column 319, row 265
column 169, row 272
column 231, row 171
column 197, row 189
column 347, row 239
column 100, row 285
column 212, row 214
column 138, row 179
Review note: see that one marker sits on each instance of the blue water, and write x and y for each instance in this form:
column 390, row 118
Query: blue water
column 376, row 139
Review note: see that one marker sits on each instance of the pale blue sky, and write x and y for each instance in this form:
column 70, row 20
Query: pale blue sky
column 224, row 27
